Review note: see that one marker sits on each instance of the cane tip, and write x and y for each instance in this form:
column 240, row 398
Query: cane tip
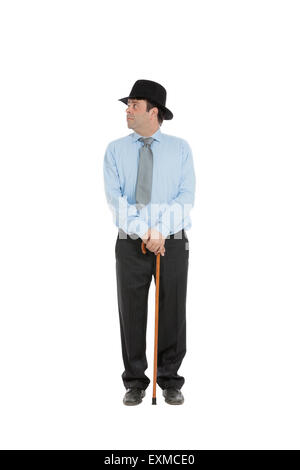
column 153, row 401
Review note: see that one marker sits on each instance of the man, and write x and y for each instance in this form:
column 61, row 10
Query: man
column 150, row 184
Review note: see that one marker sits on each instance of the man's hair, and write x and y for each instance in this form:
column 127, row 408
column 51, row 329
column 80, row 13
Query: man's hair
column 160, row 114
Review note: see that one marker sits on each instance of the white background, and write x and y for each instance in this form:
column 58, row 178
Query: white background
column 231, row 70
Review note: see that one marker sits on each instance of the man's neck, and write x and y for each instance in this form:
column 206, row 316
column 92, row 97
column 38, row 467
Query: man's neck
column 147, row 133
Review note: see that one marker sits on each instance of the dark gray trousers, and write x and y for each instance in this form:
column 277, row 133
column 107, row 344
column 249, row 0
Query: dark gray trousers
column 134, row 272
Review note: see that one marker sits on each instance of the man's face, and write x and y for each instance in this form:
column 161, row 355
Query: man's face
column 137, row 116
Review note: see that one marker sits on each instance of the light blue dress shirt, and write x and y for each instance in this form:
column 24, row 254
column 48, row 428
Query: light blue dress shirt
column 173, row 184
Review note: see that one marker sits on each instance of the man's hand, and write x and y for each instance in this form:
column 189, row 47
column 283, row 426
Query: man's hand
column 156, row 242
column 161, row 250
column 146, row 236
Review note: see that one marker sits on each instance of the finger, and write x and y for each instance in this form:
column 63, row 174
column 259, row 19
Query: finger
column 153, row 246
column 161, row 250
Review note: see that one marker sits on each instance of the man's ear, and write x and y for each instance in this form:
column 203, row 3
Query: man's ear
column 155, row 114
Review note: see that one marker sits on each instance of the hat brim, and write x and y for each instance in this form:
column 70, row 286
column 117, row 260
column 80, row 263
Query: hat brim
column 167, row 113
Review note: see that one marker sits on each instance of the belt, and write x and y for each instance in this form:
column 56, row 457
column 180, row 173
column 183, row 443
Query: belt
column 181, row 234
column 178, row 235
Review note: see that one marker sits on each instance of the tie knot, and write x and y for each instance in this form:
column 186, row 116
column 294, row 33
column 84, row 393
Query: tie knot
column 146, row 140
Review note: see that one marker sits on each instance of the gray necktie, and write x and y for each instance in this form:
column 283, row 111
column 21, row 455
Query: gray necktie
column 144, row 175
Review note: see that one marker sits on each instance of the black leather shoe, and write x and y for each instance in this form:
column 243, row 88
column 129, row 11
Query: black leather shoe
column 173, row 396
column 133, row 396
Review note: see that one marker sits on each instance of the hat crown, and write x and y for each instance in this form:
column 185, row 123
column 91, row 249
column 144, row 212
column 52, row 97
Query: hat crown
column 150, row 90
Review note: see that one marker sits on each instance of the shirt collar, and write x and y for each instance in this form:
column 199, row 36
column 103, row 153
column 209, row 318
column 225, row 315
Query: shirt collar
column 155, row 136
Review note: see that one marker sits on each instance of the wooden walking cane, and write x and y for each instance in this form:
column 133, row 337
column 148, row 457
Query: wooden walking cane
column 156, row 322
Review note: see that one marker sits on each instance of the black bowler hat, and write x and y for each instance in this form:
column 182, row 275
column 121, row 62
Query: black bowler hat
column 152, row 91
